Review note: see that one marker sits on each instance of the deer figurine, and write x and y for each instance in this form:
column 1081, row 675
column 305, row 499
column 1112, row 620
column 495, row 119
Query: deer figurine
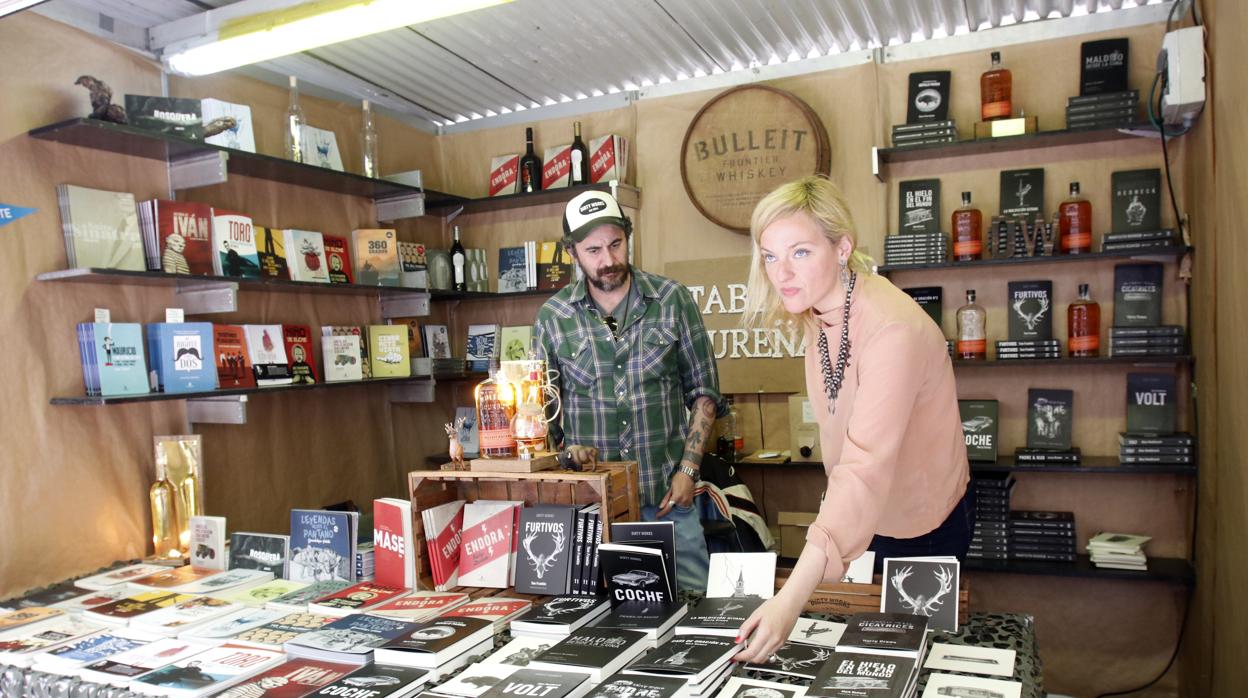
column 455, row 448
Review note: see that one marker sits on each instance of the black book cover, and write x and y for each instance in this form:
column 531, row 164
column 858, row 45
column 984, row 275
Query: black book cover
column 545, row 549
column 1031, row 310
column 577, row 571
column 639, row 615
column 638, row 574
column 594, row 648
column 536, row 683
column 979, row 426
column 594, row 526
column 1137, row 295
column 1155, row 451
column 1022, row 193
column 1050, row 417
column 1136, row 200
column 685, row 655
column 929, row 97
column 1104, row 67
column 794, row 659
column 1042, row 519
column 720, row 614
column 1150, row 403
column 1179, row 439
column 1047, row 557
column 170, row 115
column 931, row 300
column 437, row 635
column 884, row 632
column 627, row 686
column 918, row 207
column 1102, row 98
column 848, row 674
column 374, row 681
column 1159, row 331
column 259, row 551
column 909, row 129
column 651, row 534
column 562, row 610
column 925, row 588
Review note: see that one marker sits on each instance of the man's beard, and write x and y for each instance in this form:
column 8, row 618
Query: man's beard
column 599, row 281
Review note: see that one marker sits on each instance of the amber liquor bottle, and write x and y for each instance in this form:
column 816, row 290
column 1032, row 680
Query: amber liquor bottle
column 995, row 90
column 972, row 325
column 496, row 406
column 1075, row 223
column 1083, row 325
column 968, row 231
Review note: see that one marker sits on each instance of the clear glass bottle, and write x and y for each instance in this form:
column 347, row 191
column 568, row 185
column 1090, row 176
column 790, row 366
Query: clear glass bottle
column 530, row 166
column 189, row 496
column 968, row 231
column 459, row 262
column 166, row 531
column 972, row 330
column 1083, row 325
column 995, row 91
column 496, row 407
column 294, row 124
column 579, row 157
column 368, row 143
column 1075, row 223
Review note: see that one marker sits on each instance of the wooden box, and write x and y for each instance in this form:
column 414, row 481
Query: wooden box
column 613, row 485
column 793, row 527
column 845, row 599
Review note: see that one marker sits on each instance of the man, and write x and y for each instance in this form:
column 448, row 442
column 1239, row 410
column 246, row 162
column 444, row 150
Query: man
column 632, row 355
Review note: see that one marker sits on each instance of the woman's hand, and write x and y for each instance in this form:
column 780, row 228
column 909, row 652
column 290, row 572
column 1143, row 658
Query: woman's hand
column 769, row 627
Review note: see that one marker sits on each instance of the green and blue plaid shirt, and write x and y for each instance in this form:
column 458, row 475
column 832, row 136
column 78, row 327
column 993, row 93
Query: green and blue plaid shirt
column 629, row 397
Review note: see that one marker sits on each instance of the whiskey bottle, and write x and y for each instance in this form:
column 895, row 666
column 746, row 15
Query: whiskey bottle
column 530, row 166
column 1083, row 325
column 995, row 89
column 166, row 531
column 968, row 235
column 1075, row 221
column 579, row 157
column 496, row 406
column 972, row 323
column 294, row 124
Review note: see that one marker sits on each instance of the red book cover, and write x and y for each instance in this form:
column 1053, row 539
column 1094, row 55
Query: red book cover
column 185, row 232
column 391, row 540
column 359, row 597
column 290, row 679
column 444, row 526
column 233, row 363
column 338, row 258
column 486, row 553
column 504, row 171
column 556, row 166
column 487, row 609
column 420, row 603
column 299, row 356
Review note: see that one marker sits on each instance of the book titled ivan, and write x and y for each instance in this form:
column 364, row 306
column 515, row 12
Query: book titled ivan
column 178, row 236
column 234, row 242
column 322, row 545
column 487, row 553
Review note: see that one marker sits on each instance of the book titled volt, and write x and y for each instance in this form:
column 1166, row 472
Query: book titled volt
column 718, row 616
column 540, row 683
column 1137, row 295
column 545, row 549
column 1150, row 403
column 1103, row 69
column 174, row 116
column 929, row 97
column 850, row 674
column 1050, row 418
column 322, row 545
column 979, row 426
column 1136, row 200
column 1031, row 310
column 1022, row 193
column 918, row 207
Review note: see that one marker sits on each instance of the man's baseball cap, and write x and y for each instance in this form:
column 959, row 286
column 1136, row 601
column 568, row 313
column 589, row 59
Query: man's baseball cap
column 590, row 210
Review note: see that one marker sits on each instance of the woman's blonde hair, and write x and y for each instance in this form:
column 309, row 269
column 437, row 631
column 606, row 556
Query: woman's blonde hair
column 819, row 199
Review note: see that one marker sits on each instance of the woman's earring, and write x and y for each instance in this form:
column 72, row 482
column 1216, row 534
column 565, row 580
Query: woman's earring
column 844, row 274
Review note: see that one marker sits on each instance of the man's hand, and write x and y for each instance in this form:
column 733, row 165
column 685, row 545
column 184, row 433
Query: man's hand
column 681, row 493
column 583, row 455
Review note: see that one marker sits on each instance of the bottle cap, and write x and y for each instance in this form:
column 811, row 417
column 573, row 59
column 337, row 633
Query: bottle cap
column 966, row 198
column 1083, row 289
column 294, row 81
column 996, row 56
column 528, row 134
column 1074, row 187
column 970, row 294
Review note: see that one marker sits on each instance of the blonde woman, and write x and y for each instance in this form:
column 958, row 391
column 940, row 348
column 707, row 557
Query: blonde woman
column 881, row 387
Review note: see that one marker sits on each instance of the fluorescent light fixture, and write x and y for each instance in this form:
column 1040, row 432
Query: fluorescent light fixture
column 267, row 35
column 11, row 6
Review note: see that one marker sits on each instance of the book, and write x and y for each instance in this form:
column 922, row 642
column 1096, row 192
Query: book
column 292, row 678
column 512, row 270
column 595, row 651
column 1136, row 200
column 742, row 575
column 979, row 427
column 1022, row 193
column 624, row 685
column 322, row 545
column 112, row 578
column 1151, row 403
column 504, row 174
column 19, row 647
column 84, row 601
column 928, row 97
column 136, row 662
column 388, row 351
column 487, row 552
column 692, row 657
column 260, row 551
column 1041, row 520
column 377, row 681
column 740, row 687
column 437, row 341
column 234, row 245
column 536, row 682
column 376, row 256
column 475, row 680
column 338, row 258
column 266, row 348
column 560, row 615
column 113, row 358
column 420, row 606
column 320, row 148
column 297, row 601
column 415, row 337
column 178, row 236
column 443, row 533
column 1030, row 314
column 173, row 116
column 889, row 634
column 546, row 540
column 956, row 685
column 206, row 673
column 351, row 639
column 925, row 586
column 931, row 300
column 395, row 553
column 822, row 633
column 655, row 620
column 554, row 266
column 918, row 207
column 794, row 659
column 413, row 265
column 175, row 579
column 635, row 573
column 221, row 630
column 481, row 346
column 208, row 542
column 357, row 598
column 718, row 616
column 1103, row 68
column 69, row 657
column 1137, row 295
column 1050, row 416
column 139, row 603
column 173, row 620
column 848, row 674
column 515, row 342
column 180, row 355
column 101, row 228
column 305, row 255
column 233, row 361
column 433, row 643
column 232, row 579
column 274, row 634
column 271, row 251
column 655, row 534
column 341, row 360
column 497, row 609
column 231, row 122
column 259, row 595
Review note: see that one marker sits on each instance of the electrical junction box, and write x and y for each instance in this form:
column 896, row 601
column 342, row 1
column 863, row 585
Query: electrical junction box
column 1184, row 51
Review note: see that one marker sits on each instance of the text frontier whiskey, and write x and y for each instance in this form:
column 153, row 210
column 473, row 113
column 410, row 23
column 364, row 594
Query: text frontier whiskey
column 1083, row 325
column 972, row 325
column 968, row 227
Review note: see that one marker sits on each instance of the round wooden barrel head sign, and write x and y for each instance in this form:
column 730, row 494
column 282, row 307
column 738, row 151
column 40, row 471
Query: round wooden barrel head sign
column 744, row 143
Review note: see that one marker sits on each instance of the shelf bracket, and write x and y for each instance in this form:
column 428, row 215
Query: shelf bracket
column 875, row 163
column 207, row 297
column 399, row 206
column 405, row 305
column 416, row 391
column 198, row 170
column 229, row 409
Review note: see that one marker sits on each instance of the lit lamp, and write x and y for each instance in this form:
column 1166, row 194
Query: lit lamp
column 495, row 399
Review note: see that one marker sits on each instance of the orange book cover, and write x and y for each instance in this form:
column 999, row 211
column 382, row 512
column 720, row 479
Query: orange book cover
column 233, row 363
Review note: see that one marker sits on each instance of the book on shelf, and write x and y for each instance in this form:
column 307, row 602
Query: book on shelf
column 234, row 245
column 177, row 236
column 113, row 359
column 468, row 434
column 101, row 228
column 413, row 265
column 1050, row 416
column 360, row 333
column 234, row 368
column 1030, row 311
column 1042, row 520
column 488, row 549
column 266, row 349
column 271, row 251
column 597, row 652
column 608, row 158
column 376, row 256
column 1026, row 456
column 388, row 351
column 554, row 266
column 1151, row 403
column 377, row 681
column 437, row 341
column 1136, row 200
column 297, row 340
column 360, row 597
column 337, row 259
column 433, row 643
column 928, row 97
column 395, row 553
column 482, row 346
column 172, row 116
column 847, row 674
column 122, row 668
column 544, row 565
column 293, row 678
column 931, row 300
column 322, row 545
column 559, row 616
column 742, row 575
column 918, row 207
column 1022, row 193
column 415, row 337
column 206, row 673
column 887, row 634
column 979, row 428
column 180, row 353
column 635, row 573
column 1137, row 295
column 305, row 255
column 504, row 174
column 208, row 542
column 1103, row 68
column 513, row 269
column 926, row 586
column 443, row 534
column 515, row 342
column 722, row 617
column 231, row 122
column 341, row 359
column 556, row 166
column 351, row 639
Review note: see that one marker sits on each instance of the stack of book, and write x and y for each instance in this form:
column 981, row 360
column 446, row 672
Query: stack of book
column 1141, row 240
column 1174, row 449
column 1021, row 349
column 879, row 651
column 498, row 610
column 1163, row 340
column 719, row 616
column 559, row 617
column 1118, row 551
column 597, row 652
column 990, row 539
column 1106, row 110
column 440, row 646
column 1042, row 535
column 450, row 368
column 916, row 249
column 925, row 133
column 1044, row 456
column 349, row 640
column 702, row 661
column 365, row 561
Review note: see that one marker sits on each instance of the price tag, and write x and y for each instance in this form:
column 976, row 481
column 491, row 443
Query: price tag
column 174, row 315
column 102, row 315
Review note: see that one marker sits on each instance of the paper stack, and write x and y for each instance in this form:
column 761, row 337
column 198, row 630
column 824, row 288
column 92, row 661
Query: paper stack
column 1118, row 551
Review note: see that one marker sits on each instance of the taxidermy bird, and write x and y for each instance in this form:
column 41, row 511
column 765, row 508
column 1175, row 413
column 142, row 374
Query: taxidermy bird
column 102, row 106
column 220, row 125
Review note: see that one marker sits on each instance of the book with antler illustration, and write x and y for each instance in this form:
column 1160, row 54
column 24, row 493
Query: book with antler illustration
column 1031, row 310
column 923, row 586
column 543, row 562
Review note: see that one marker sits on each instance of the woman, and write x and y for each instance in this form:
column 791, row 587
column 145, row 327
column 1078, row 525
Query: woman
column 882, row 391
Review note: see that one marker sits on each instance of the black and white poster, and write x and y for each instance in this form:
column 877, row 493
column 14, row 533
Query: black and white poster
column 929, row 97
column 1050, row 418
column 794, row 659
column 742, row 575
column 923, row 587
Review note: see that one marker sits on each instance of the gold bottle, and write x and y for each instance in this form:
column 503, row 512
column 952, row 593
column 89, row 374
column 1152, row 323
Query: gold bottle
column 166, row 525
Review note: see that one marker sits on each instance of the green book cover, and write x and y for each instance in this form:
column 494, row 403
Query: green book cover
column 388, row 351
column 979, row 426
column 516, row 342
column 1150, row 403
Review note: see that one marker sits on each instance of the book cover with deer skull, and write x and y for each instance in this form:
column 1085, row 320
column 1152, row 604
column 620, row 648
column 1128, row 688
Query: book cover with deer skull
column 923, row 587
column 1031, row 310
column 545, row 549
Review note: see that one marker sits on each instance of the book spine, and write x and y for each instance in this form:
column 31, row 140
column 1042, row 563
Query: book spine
column 1137, row 235
column 1160, row 331
column 1155, row 460
column 578, row 558
column 1103, row 98
column 1158, row 243
column 1051, row 557
column 595, row 540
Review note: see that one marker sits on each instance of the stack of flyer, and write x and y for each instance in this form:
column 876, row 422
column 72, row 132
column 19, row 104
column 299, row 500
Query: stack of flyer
column 1119, row 551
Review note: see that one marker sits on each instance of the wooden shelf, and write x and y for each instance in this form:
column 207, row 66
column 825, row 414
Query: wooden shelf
column 1172, row 253
column 1160, row 569
column 1092, row 465
column 1177, row 360
column 155, row 397
column 95, row 275
column 629, row 197
column 1027, row 141
column 478, row 296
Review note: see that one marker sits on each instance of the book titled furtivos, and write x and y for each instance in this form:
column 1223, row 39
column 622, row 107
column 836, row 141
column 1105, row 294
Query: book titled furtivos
column 634, row 573
column 322, row 545
column 979, row 427
column 595, row 651
column 918, row 207
column 924, row 586
column 559, row 616
column 544, row 564
column 1050, row 419
column 1030, row 310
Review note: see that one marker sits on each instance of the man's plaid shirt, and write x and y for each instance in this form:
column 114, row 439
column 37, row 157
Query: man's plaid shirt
column 630, row 397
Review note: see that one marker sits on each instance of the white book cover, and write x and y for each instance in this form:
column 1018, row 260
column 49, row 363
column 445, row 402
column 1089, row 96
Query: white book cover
column 208, row 542
column 234, row 122
column 19, row 647
column 121, row 668
column 113, row 578
column 305, row 255
column 266, row 346
column 258, row 596
column 173, row 620
column 206, row 673
column 943, row 685
column 973, row 660
column 90, row 600
column 824, row 633
column 476, row 680
column 341, row 355
column 233, row 579
column 320, row 148
column 861, row 570
column 234, row 245
column 487, row 546
column 68, row 658
column 922, row 586
column 222, row 629
column 737, row 575
column 741, row 687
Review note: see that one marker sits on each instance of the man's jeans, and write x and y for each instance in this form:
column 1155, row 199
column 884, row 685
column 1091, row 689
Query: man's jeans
column 692, row 561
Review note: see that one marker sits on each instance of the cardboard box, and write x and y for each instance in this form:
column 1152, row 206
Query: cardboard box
column 793, row 525
column 803, row 431
column 1016, row 126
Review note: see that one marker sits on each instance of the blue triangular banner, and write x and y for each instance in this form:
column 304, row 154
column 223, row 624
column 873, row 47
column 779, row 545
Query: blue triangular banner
column 9, row 213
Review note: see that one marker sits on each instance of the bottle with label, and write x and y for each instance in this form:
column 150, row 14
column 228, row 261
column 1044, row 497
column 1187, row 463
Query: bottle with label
column 294, row 124
column 579, row 157
column 995, row 90
column 530, row 166
column 968, row 231
column 368, row 144
column 1075, row 223
column 972, row 325
column 459, row 259
column 1083, row 325
column 496, row 407
column 166, row 532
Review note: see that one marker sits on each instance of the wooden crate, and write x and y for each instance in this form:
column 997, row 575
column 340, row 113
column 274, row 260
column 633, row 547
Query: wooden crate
column 613, row 485
column 845, row 599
